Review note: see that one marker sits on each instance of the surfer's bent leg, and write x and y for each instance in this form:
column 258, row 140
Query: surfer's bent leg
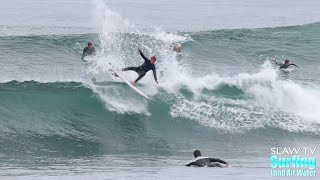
column 130, row 69
column 140, row 76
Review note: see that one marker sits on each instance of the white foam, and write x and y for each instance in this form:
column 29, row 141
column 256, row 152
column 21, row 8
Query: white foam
column 118, row 42
column 269, row 101
column 116, row 99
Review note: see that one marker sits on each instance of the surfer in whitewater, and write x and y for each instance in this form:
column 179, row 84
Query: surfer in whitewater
column 285, row 65
column 89, row 50
column 144, row 68
column 200, row 161
column 177, row 48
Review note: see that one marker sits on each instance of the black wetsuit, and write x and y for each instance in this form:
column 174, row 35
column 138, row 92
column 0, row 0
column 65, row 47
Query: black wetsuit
column 206, row 162
column 88, row 52
column 144, row 68
column 285, row 66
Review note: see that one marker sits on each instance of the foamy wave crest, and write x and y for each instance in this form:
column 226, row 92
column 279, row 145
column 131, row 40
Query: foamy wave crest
column 266, row 101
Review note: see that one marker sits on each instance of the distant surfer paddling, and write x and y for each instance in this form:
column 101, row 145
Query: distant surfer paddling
column 144, row 68
column 200, row 161
column 89, row 50
column 284, row 65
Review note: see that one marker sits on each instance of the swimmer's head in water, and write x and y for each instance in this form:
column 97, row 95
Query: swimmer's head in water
column 90, row 45
column 153, row 59
column 286, row 61
column 196, row 153
column 177, row 48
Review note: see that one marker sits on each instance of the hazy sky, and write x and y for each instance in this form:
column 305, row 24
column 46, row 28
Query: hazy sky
column 174, row 15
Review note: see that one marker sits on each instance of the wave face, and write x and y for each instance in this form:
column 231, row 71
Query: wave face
column 223, row 91
column 224, row 80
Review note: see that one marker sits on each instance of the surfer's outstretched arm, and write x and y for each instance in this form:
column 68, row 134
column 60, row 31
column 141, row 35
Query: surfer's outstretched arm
column 294, row 65
column 218, row 160
column 83, row 53
column 142, row 55
column 191, row 164
column 155, row 75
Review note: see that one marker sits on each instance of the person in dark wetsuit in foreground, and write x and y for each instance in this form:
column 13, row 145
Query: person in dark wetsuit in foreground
column 200, row 161
column 285, row 65
column 144, row 68
column 89, row 50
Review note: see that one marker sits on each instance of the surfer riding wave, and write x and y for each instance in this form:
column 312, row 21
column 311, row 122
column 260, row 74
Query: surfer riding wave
column 144, row 68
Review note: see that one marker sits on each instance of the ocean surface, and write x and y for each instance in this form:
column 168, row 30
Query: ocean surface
column 223, row 95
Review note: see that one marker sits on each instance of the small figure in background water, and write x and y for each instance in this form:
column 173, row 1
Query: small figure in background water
column 89, row 50
column 285, row 65
column 177, row 48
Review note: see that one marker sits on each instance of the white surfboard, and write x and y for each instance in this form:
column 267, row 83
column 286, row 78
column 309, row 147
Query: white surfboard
column 119, row 73
column 88, row 59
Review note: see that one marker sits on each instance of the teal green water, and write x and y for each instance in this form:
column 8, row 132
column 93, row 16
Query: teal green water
column 223, row 96
column 55, row 115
